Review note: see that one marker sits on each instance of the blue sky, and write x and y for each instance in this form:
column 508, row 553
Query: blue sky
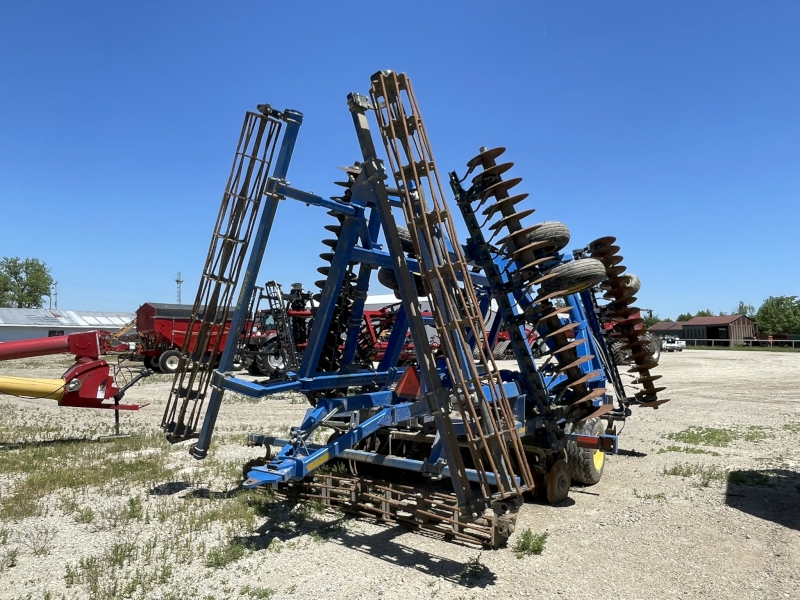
column 674, row 126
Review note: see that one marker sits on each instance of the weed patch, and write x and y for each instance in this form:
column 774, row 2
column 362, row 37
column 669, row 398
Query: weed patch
column 257, row 592
column 706, row 436
column 474, row 570
column 659, row 497
column 751, row 478
column 530, row 543
column 78, row 466
column 706, row 473
column 687, row 450
column 39, row 540
column 717, row 437
column 222, row 556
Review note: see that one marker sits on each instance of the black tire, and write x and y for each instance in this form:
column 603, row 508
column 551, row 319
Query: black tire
column 253, row 367
column 499, row 351
column 387, row 278
column 270, row 361
column 586, row 465
column 574, row 276
column 653, row 345
column 619, row 354
column 631, row 282
column 151, row 362
column 169, row 361
column 554, row 232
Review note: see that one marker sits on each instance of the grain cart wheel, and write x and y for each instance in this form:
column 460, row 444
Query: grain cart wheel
column 575, row 276
column 169, row 361
column 555, row 233
column 387, row 278
column 151, row 362
column 558, row 482
column 586, row 465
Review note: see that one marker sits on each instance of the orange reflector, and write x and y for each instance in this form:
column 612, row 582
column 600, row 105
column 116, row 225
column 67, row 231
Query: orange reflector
column 409, row 385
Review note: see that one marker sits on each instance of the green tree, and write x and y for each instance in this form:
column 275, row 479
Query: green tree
column 779, row 314
column 23, row 283
column 649, row 319
column 685, row 317
column 705, row 313
column 745, row 309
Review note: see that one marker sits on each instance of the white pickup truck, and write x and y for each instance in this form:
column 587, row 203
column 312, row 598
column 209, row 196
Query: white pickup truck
column 672, row 344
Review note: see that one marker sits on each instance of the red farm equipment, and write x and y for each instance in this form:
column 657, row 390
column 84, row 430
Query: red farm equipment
column 277, row 336
column 163, row 329
column 86, row 384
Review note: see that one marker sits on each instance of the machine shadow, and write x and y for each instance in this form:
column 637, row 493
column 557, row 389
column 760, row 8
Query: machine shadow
column 770, row 494
column 383, row 545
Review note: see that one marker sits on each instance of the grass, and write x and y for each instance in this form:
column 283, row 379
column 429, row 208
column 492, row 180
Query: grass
column 687, row 450
column 224, row 555
column 257, row 592
column 711, row 473
column 706, row 473
column 751, row 479
column 659, row 497
column 80, row 465
column 717, row 437
column 793, row 427
column 529, row 543
column 39, row 539
column 474, row 570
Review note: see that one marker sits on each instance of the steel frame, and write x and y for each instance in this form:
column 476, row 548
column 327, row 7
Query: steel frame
column 513, row 424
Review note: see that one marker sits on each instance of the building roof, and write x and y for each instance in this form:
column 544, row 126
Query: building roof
column 43, row 317
column 666, row 326
column 722, row 320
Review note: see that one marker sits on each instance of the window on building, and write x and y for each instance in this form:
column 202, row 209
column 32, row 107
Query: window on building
column 55, row 332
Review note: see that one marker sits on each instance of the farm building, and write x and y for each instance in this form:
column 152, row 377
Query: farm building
column 30, row 323
column 665, row 328
column 729, row 327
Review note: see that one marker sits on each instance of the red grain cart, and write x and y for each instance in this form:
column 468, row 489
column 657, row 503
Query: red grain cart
column 162, row 331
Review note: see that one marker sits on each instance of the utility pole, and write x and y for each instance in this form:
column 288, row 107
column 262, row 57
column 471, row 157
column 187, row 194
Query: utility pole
column 55, row 293
column 179, row 281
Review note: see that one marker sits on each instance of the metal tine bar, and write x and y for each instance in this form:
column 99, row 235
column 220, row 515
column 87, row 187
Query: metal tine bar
column 435, row 395
column 468, row 384
column 442, row 303
column 234, row 226
column 448, row 224
column 455, row 303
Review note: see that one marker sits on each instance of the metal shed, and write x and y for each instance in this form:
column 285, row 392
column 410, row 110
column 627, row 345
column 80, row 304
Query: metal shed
column 30, row 323
column 665, row 328
column 732, row 329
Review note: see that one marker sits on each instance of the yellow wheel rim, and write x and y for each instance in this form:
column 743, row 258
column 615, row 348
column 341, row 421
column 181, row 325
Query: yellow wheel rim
column 599, row 458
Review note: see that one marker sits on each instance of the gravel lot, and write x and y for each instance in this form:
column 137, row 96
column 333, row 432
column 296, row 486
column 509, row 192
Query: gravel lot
column 147, row 521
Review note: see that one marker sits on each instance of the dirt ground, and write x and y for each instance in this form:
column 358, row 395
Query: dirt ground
column 705, row 503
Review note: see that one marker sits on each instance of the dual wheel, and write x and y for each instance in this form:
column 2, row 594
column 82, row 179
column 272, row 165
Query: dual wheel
column 583, row 466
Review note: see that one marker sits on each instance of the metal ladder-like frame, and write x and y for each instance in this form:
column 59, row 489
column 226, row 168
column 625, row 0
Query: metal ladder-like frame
column 246, row 192
column 478, row 395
